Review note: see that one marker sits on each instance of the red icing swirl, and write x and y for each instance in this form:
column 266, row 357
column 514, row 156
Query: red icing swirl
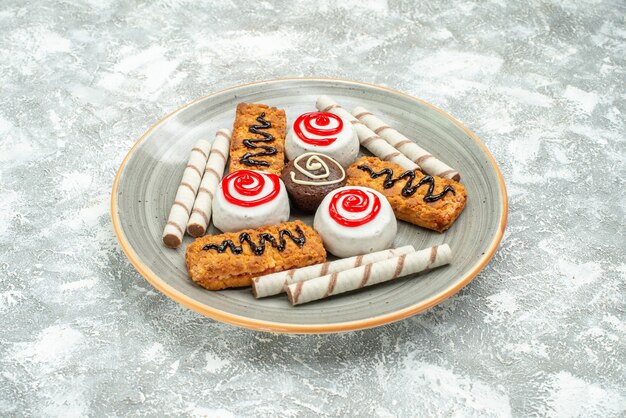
column 355, row 201
column 321, row 119
column 250, row 184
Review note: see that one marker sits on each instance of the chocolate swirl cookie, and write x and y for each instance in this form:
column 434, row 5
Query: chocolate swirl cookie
column 310, row 177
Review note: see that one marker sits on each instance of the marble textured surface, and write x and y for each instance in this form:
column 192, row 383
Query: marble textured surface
column 542, row 331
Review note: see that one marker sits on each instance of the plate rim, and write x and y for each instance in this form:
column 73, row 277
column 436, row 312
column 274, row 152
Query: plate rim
column 270, row 326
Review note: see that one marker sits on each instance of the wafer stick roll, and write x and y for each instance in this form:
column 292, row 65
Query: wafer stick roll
column 273, row 284
column 183, row 202
column 368, row 274
column 201, row 212
column 370, row 140
column 414, row 152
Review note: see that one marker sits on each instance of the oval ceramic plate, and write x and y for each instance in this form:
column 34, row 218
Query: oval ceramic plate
column 147, row 180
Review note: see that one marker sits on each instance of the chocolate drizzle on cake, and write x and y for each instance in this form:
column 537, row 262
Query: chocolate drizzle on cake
column 409, row 189
column 247, row 158
column 259, row 249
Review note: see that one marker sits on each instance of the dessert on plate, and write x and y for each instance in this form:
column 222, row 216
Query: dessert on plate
column 427, row 201
column 249, row 199
column 354, row 221
column 324, row 133
column 356, row 203
column 231, row 260
column 311, row 176
column 258, row 139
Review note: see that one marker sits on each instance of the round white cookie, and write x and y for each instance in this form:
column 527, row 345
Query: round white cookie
column 355, row 220
column 249, row 199
column 325, row 133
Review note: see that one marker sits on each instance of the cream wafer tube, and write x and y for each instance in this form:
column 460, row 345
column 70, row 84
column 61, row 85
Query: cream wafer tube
column 370, row 140
column 368, row 274
column 183, row 202
column 428, row 163
column 201, row 212
column 273, row 284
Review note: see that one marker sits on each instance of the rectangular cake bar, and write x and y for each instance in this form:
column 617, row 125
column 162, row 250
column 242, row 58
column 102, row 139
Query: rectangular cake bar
column 258, row 139
column 232, row 259
column 428, row 201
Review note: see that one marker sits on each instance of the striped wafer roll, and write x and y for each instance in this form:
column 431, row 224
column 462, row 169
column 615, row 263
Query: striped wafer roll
column 368, row 274
column 428, row 163
column 183, row 202
column 370, row 140
column 201, row 212
column 273, row 284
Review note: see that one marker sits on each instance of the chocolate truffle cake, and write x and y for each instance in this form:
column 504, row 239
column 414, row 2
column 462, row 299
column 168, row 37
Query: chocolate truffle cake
column 310, row 177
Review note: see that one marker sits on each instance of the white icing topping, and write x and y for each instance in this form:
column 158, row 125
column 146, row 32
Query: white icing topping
column 268, row 188
column 228, row 217
column 360, row 214
column 344, row 149
column 342, row 241
column 332, row 124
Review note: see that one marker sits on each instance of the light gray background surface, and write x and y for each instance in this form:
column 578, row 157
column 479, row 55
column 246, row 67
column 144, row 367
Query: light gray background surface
column 541, row 331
